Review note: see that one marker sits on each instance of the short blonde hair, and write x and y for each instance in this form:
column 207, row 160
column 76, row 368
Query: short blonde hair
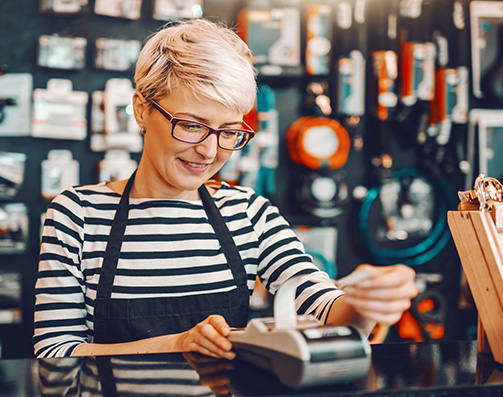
column 203, row 58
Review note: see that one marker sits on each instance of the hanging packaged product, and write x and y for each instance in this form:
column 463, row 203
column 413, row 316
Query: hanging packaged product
column 113, row 125
column 248, row 166
column 15, row 103
column 410, row 8
column 11, row 297
column 274, row 39
column 319, row 39
column 62, row 6
column 267, row 141
column 118, row 105
column 486, row 28
column 129, row 9
column 167, row 10
column 57, row 52
column 117, row 165
column 321, row 194
column 318, row 142
column 485, row 138
column 450, row 102
column 116, row 54
column 59, row 172
column 418, row 72
column 59, row 112
column 321, row 244
column 456, row 96
column 13, row 228
column 386, row 72
column 101, row 140
column 403, row 219
column 231, row 171
column 351, row 84
column 451, row 84
column 12, row 167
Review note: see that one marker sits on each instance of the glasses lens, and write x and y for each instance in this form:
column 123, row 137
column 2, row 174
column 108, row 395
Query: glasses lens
column 190, row 131
column 232, row 139
column 194, row 132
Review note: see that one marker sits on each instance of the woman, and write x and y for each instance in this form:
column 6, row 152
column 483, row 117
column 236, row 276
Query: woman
column 166, row 261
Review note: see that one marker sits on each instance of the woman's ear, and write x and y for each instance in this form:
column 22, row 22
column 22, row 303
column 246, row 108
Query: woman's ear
column 140, row 108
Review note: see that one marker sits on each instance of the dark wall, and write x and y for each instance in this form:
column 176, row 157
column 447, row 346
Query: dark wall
column 20, row 26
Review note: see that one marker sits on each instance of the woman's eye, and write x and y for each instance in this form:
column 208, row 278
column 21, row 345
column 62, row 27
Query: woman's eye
column 229, row 134
column 193, row 127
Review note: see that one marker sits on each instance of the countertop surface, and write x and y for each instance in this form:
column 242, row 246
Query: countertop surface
column 398, row 369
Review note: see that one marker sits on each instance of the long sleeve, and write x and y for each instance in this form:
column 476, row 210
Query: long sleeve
column 60, row 312
column 283, row 256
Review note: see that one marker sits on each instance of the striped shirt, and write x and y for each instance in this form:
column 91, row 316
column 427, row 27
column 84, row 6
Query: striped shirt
column 169, row 250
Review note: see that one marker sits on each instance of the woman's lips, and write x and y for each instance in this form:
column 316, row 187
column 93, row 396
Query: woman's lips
column 194, row 167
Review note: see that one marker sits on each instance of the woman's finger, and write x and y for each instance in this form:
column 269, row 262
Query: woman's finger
column 208, row 338
column 380, row 311
column 387, row 276
column 213, row 336
column 219, row 323
column 204, row 346
column 404, row 291
column 385, row 307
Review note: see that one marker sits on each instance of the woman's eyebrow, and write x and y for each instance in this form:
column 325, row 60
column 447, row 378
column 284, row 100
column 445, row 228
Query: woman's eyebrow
column 206, row 121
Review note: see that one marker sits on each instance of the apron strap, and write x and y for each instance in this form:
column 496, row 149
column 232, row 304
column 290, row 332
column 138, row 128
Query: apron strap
column 113, row 249
column 225, row 237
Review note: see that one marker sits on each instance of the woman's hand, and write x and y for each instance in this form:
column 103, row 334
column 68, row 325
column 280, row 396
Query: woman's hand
column 209, row 337
column 383, row 296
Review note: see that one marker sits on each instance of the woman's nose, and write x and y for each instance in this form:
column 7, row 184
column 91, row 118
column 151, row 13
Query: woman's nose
column 209, row 147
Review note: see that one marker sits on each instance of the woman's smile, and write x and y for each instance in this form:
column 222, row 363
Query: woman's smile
column 193, row 166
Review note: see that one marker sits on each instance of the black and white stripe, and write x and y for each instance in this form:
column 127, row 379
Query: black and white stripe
column 169, row 249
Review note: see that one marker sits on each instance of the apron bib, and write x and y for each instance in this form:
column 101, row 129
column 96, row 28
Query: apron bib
column 125, row 320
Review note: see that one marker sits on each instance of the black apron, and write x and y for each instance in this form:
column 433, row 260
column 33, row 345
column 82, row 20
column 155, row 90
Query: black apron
column 125, row 320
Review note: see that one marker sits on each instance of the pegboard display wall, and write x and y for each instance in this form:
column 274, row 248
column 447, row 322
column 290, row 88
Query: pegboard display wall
column 364, row 110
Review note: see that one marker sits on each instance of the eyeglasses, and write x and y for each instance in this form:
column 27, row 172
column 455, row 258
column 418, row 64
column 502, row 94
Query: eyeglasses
column 191, row 131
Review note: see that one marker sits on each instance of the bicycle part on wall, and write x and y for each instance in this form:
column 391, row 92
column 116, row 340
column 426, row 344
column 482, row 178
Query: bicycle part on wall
column 402, row 220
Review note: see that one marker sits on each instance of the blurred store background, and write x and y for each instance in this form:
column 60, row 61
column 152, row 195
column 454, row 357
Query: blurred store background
column 371, row 114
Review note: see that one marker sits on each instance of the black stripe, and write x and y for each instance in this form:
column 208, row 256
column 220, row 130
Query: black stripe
column 274, row 230
column 280, row 244
column 259, row 213
column 65, row 211
column 59, row 306
column 47, row 256
column 63, row 228
column 55, row 273
column 150, row 255
column 56, row 241
column 277, row 273
column 59, row 290
column 311, row 299
column 55, row 334
column 194, row 288
column 91, row 192
column 70, row 322
column 171, row 272
column 153, row 237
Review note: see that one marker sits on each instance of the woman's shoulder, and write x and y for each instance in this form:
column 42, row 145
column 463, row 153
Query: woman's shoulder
column 238, row 198
column 223, row 189
column 95, row 193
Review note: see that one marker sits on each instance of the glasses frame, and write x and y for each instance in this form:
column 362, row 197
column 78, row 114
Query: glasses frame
column 175, row 120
